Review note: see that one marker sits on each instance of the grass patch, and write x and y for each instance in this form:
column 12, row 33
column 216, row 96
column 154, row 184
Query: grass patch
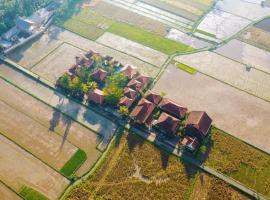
column 149, row 39
column 30, row 194
column 206, row 33
column 74, row 163
column 240, row 161
column 186, row 68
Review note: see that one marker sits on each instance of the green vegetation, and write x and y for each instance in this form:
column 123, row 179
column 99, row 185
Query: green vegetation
column 206, row 33
column 30, row 194
column 123, row 110
column 10, row 9
column 240, row 161
column 186, row 68
column 74, row 163
column 148, row 39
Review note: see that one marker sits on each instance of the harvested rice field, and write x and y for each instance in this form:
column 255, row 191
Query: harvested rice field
column 19, row 168
column 57, row 124
column 7, row 194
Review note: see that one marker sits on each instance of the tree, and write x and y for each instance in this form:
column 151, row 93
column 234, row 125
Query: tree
column 89, row 87
column 162, row 94
column 65, row 82
column 76, row 87
column 123, row 110
column 117, row 79
column 113, row 94
column 203, row 149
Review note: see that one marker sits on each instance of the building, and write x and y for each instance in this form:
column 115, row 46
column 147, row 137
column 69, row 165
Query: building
column 130, row 93
column 168, row 124
column 190, row 143
column 96, row 96
column 198, row 124
column 98, row 75
column 125, row 101
column 145, row 80
column 129, row 71
column 153, row 97
column 141, row 114
column 136, row 85
column 173, row 108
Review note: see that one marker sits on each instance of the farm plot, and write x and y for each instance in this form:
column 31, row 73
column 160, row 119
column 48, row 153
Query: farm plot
column 18, row 169
column 7, row 194
column 56, row 63
column 31, row 53
column 54, row 121
column 34, row 137
column 234, row 111
column 256, row 37
column 233, row 73
column 124, row 15
column 87, row 117
column 132, row 48
column 264, row 25
column 246, row 54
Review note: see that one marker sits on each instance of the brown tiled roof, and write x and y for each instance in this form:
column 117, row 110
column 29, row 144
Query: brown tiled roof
column 199, row 120
column 142, row 111
column 129, row 71
column 173, row 108
column 97, row 96
column 143, row 79
column 190, row 143
column 130, row 93
column 135, row 85
column 98, row 75
column 125, row 101
column 153, row 97
column 168, row 123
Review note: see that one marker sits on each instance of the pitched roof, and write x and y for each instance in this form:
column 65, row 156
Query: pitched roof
column 142, row 111
column 129, row 71
column 173, row 108
column 135, row 85
column 130, row 93
column 125, row 101
column 143, row 79
column 153, row 97
column 96, row 96
column 190, row 142
column 99, row 75
column 199, row 120
column 168, row 123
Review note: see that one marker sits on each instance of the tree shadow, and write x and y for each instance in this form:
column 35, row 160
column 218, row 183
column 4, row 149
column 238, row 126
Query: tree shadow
column 190, row 169
column 164, row 157
column 133, row 141
column 56, row 116
column 67, row 121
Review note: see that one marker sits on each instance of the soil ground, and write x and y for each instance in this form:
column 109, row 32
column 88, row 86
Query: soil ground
column 7, row 194
column 19, row 168
column 233, row 111
column 56, row 123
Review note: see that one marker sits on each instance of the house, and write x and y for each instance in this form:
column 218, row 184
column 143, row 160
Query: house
column 168, row 124
column 130, row 93
column 98, row 75
column 142, row 112
column 129, row 71
column 191, row 143
column 198, row 124
column 125, row 101
column 153, row 97
column 96, row 96
column 173, row 108
column 136, row 85
column 145, row 80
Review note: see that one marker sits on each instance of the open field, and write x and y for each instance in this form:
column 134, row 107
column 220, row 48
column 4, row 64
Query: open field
column 132, row 48
column 18, row 169
column 246, row 54
column 71, row 131
column 57, row 63
column 124, row 15
column 151, row 40
column 231, row 72
column 30, row 53
column 7, row 194
column 256, row 37
column 234, row 111
column 240, row 161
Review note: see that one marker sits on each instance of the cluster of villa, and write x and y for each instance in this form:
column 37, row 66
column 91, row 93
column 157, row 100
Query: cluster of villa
column 197, row 123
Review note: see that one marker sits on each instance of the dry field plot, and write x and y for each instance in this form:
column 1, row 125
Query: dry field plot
column 31, row 53
column 7, row 194
column 55, row 64
column 246, row 54
column 18, row 168
column 234, row 111
column 132, row 48
column 54, row 121
column 236, row 74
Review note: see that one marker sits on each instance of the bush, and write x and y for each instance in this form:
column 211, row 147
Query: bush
column 112, row 94
column 123, row 110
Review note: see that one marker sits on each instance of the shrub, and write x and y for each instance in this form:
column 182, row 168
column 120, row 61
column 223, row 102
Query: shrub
column 123, row 110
